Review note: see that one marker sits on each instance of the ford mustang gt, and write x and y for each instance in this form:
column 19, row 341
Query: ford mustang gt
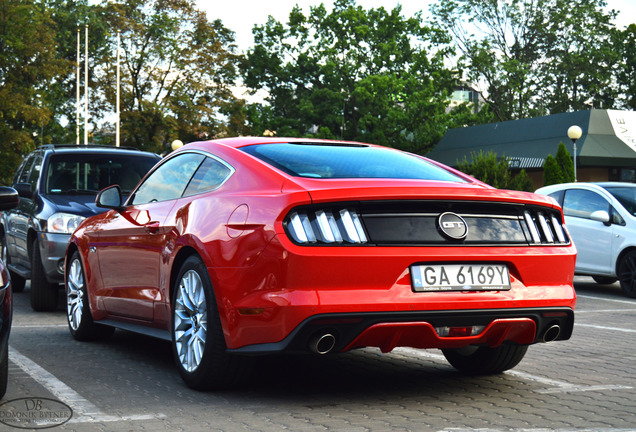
column 249, row 246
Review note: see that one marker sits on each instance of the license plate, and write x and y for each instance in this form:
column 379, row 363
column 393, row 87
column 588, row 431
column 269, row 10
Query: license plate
column 460, row 277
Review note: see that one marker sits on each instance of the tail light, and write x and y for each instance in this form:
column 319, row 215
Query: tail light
column 326, row 227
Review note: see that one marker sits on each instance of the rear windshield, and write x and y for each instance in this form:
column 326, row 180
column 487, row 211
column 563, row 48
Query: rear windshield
column 90, row 173
column 347, row 161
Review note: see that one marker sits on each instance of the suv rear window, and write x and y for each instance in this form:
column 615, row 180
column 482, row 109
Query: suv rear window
column 90, row 173
column 347, row 161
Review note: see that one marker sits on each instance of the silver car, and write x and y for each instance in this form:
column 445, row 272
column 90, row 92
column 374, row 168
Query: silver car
column 601, row 219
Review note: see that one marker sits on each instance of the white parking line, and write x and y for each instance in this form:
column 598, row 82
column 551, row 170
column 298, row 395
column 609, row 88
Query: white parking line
column 84, row 411
column 556, row 385
column 38, row 325
column 632, row 302
column 604, row 311
column 614, row 329
column 453, row 429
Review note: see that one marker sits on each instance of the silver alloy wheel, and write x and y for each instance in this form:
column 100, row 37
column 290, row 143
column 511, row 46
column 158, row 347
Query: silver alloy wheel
column 75, row 294
column 190, row 320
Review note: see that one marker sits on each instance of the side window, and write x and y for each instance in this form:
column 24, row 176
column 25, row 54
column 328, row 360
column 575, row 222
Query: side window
column 582, row 203
column 24, row 170
column 35, row 172
column 210, row 175
column 169, row 180
column 616, row 218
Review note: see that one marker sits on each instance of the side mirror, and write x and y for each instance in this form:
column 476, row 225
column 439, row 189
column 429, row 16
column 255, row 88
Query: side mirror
column 8, row 198
column 600, row 216
column 24, row 190
column 109, row 198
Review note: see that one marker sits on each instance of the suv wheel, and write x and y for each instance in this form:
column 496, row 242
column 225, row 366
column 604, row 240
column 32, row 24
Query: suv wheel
column 44, row 294
column 17, row 281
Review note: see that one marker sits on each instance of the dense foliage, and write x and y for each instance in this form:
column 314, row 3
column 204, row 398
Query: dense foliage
column 558, row 169
column 352, row 73
column 344, row 72
column 536, row 57
column 28, row 65
column 494, row 170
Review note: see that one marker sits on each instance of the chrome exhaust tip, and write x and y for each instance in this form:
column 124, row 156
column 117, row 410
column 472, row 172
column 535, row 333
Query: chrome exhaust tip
column 552, row 333
column 322, row 343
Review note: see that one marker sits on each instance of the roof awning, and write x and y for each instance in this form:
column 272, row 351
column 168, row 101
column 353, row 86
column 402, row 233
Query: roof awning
column 609, row 139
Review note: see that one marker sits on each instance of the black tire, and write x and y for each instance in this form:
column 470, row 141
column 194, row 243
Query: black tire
column 4, row 370
column 78, row 312
column 474, row 360
column 44, row 294
column 198, row 344
column 604, row 280
column 627, row 273
column 17, row 281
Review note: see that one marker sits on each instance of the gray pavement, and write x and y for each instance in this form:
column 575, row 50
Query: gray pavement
column 129, row 383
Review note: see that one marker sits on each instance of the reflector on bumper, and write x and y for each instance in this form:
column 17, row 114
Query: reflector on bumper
column 388, row 336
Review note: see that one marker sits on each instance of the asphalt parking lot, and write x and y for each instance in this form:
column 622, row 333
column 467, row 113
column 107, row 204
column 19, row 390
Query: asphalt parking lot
column 130, row 383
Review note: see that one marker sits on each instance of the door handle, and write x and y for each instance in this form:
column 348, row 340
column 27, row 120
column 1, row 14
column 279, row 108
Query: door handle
column 152, row 227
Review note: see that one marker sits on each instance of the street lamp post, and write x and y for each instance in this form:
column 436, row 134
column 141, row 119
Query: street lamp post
column 574, row 133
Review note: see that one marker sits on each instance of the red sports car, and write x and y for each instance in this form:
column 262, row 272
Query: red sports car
column 245, row 246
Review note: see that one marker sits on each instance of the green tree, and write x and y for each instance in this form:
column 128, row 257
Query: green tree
column 626, row 67
column 534, row 57
column 178, row 69
column 495, row 171
column 370, row 75
column 28, row 65
column 551, row 172
column 521, row 182
column 565, row 162
column 69, row 18
column 559, row 169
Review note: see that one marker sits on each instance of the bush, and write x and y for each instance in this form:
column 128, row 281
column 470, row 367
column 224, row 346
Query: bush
column 494, row 171
column 559, row 169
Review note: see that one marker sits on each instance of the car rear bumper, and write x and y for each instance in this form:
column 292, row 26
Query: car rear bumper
column 420, row 330
column 289, row 289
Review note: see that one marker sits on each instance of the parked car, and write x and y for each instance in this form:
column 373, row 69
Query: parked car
column 246, row 246
column 8, row 200
column 601, row 218
column 57, row 186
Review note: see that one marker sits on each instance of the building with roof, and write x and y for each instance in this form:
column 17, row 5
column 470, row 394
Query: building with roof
column 605, row 151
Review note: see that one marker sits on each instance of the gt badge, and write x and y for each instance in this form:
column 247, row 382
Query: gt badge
column 452, row 226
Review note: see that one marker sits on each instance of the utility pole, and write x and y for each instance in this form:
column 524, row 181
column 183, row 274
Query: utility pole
column 118, row 85
column 86, row 88
column 77, row 92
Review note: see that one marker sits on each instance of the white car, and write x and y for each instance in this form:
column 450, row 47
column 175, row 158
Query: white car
column 601, row 219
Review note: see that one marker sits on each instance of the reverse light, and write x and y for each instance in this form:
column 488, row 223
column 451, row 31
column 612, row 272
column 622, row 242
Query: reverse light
column 459, row 331
column 63, row 223
column 326, row 226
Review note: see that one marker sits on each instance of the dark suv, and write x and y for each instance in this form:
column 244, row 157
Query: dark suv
column 57, row 186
